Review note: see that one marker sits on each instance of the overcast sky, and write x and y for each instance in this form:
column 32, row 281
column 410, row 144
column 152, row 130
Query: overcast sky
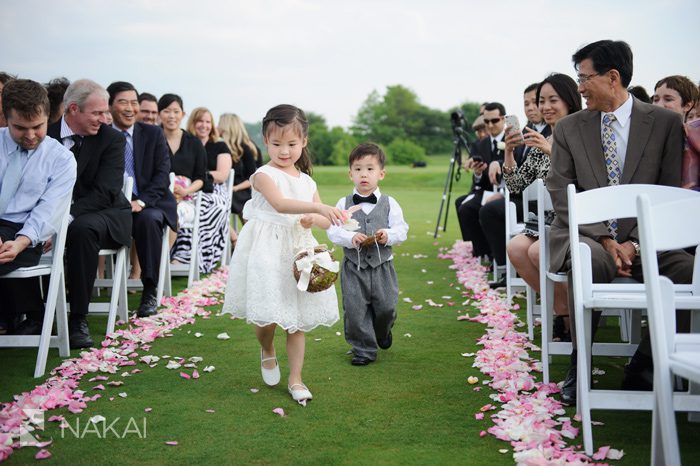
column 327, row 56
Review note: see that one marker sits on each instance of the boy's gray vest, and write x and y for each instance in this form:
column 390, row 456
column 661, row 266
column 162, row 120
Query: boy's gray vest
column 369, row 224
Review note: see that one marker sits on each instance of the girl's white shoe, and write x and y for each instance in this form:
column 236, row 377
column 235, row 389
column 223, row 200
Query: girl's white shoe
column 299, row 392
column 270, row 376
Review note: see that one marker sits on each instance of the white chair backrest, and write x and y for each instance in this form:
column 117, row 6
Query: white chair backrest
column 172, row 182
column 620, row 201
column 529, row 194
column 59, row 243
column 666, row 226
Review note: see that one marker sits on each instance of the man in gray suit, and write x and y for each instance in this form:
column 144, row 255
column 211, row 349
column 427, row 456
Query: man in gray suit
column 646, row 143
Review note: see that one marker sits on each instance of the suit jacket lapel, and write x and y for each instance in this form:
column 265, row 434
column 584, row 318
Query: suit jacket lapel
column 640, row 129
column 590, row 132
column 139, row 149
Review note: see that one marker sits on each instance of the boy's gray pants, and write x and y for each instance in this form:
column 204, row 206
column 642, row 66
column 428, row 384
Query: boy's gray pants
column 370, row 296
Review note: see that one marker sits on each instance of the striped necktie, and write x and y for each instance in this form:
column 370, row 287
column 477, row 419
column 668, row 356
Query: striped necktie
column 10, row 181
column 612, row 163
column 129, row 161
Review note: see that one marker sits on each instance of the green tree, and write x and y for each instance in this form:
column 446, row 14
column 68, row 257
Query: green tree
column 404, row 152
column 400, row 115
column 342, row 147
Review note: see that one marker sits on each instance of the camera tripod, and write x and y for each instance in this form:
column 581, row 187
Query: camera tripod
column 460, row 142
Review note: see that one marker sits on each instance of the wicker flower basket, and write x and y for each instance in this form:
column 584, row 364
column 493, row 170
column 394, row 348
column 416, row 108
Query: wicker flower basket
column 321, row 279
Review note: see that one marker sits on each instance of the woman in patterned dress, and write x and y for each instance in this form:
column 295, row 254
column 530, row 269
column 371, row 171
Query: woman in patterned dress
column 213, row 220
column 557, row 97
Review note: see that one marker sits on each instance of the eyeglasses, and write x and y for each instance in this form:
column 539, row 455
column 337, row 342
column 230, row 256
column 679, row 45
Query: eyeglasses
column 584, row 78
column 492, row 121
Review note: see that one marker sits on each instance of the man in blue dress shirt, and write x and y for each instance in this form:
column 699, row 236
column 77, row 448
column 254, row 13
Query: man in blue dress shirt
column 37, row 175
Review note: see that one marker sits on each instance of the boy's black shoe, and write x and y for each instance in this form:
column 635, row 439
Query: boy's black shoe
column 386, row 342
column 360, row 361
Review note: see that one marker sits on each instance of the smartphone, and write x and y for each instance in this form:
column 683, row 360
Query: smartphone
column 513, row 124
column 477, row 158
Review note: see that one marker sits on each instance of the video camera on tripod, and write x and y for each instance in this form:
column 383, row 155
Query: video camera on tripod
column 460, row 142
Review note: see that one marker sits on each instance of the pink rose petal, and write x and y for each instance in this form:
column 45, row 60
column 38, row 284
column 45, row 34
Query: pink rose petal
column 147, row 410
column 43, row 454
column 195, row 374
column 184, row 375
column 172, row 443
column 279, row 412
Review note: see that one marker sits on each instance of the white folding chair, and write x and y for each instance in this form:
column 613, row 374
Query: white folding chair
column 50, row 264
column 513, row 281
column 548, row 281
column 191, row 270
column 164, row 287
column 227, row 237
column 591, row 207
column 664, row 227
column 117, row 264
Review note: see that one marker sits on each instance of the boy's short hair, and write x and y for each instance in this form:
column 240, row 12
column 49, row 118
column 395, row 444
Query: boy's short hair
column 368, row 148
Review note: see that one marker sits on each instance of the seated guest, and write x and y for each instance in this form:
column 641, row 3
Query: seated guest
column 148, row 109
column 468, row 206
column 680, row 94
column 492, row 216
column 246, row 157
column 640, row 93
column 643, row 145
column 188, row 161
column 214, row 221
column 147, row 161
column 37, row 175
column 56, row 89
column 557, row 97
column 101, row 214
column 4, row 79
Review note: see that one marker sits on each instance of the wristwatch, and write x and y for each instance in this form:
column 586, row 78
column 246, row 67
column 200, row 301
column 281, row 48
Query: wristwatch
column 141, row 203
column 637, row 249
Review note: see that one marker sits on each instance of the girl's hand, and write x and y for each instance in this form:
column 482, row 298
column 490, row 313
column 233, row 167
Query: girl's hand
column 535, row 139
column 307, row 221
column 382, row 236
column 358, row 239
column 333, row 214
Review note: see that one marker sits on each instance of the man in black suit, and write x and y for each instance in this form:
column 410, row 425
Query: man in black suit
column 101, row 215
column 487, row 150
column 492, row 217
column 147, row 160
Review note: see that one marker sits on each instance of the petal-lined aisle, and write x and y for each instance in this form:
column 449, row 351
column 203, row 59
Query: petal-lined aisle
column 529, row 417
column 21, row 420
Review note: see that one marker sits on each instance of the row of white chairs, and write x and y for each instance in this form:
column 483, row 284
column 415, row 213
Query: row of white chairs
column 51, row 264
column 628, row 299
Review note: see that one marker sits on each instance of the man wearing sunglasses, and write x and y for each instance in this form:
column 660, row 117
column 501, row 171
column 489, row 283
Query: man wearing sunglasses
column 487, row 151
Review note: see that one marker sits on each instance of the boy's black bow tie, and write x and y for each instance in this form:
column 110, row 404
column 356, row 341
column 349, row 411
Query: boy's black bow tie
column 357, row 199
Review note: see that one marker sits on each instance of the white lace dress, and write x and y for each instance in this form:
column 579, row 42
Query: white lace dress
column 261, row 287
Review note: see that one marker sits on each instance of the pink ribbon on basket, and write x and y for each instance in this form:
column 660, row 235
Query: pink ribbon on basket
column 306, row 264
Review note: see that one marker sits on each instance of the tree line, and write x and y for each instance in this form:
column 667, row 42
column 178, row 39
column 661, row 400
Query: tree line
column 407, row 130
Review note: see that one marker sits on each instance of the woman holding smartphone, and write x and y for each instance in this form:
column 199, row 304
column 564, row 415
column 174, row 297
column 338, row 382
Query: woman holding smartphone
column 557, row 97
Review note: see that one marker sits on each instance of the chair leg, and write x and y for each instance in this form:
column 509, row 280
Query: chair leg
column 123, row 306
column 117, row 276
column 45, row 339
column 546, row 300
column 62, row 320
column 664, row 435
column 583, row 382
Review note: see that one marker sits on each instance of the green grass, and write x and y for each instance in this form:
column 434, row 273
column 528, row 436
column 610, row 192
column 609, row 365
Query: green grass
column 413, row 406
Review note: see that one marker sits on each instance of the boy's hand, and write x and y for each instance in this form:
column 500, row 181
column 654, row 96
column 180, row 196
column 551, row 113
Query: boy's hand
column 382, row 236
column 358, row 239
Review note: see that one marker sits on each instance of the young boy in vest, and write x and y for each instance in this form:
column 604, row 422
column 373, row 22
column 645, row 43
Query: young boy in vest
column 368, row 280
